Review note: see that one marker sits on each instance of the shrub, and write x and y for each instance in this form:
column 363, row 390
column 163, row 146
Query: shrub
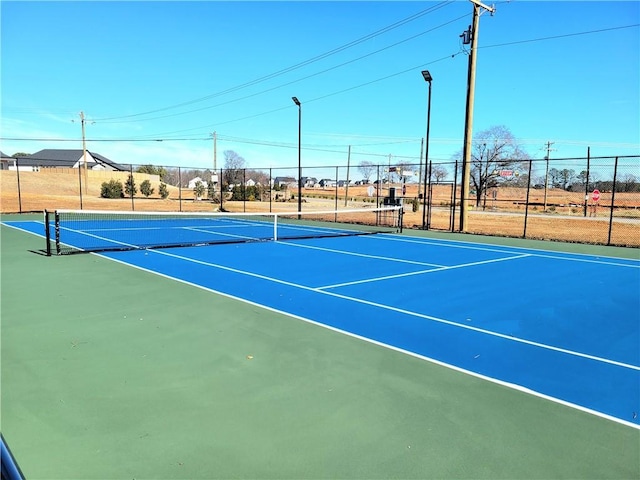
column 163, row 190
column 145, row 188
column 112, row 189
column 130, row 186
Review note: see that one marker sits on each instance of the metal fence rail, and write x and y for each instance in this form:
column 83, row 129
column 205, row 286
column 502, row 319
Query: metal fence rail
column 586, row 200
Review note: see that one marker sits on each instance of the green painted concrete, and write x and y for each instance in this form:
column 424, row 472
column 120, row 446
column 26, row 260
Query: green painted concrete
column 113, row 373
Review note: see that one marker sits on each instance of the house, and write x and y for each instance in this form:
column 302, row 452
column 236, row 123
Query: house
column 309, row 182
column 194, row 181
column 327, row 183
column 285, row 182
column 7, row 162
column 53, row 158
column 343, row 183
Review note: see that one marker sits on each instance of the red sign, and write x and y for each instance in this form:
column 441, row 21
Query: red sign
column 595, row 196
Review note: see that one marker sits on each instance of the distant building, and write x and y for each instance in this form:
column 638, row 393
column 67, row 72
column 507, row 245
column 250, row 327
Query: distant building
column 7, row 162
column 194, row 181
column 53, row 158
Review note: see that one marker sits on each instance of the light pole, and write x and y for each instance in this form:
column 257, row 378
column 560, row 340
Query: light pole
column 297, row 102
column 427, row 78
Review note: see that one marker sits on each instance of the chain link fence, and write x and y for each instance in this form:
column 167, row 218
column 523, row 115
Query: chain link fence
column 585, row 200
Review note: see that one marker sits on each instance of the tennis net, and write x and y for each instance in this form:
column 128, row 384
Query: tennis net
column 75, row 231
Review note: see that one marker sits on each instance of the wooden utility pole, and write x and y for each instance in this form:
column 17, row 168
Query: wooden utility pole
column 472, row 36
column 546, row 175
column 84, row 154
column 346, row 186
column 215, row 152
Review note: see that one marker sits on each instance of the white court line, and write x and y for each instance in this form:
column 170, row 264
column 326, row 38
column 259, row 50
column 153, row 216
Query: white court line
column 438, row 269
column 403, row 311
column 355, row 254
column 534, row 252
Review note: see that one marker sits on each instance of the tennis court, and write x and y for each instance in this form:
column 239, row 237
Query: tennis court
column 349, row 356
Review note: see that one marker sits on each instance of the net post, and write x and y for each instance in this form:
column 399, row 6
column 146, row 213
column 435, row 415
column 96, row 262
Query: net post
column 47, row 234
column 275, row 226
column 400, row 219
column 57, row 228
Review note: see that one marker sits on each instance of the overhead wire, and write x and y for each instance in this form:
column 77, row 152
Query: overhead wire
column 293, row 67
column 294, row 81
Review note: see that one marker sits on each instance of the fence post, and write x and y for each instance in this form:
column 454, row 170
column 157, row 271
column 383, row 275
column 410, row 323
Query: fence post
column 613, row 199
column 430, row 202
column 586, row 186
column 180, row 189
column 270, row 188
column 526, row 205
column 453, row 199
column 18, row 178
column 336, row 209
column 132, row 186
column 221, row 191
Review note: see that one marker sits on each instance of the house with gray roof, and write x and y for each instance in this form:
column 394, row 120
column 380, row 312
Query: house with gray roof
column 54, row 158
column 7, row 162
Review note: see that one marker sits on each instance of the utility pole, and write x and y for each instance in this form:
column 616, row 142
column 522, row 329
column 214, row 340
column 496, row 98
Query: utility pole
column 546, row 174
column 215, row 152
column 470, row 35
column 84, row 154
column 346, row 187
column 214, row 175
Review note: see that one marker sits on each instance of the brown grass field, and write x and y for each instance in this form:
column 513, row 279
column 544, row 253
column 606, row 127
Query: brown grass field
column 503, row 215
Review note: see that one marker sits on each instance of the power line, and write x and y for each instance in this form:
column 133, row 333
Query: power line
column 296, row 66
column 292, row 81
column 553, row 37
column 388, row 76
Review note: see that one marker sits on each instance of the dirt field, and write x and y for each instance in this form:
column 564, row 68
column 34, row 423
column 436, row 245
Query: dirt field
column 502, row 215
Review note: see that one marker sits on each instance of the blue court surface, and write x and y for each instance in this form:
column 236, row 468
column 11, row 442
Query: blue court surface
column 562, row 326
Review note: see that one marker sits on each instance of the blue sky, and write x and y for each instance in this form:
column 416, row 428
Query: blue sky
column 178, row 71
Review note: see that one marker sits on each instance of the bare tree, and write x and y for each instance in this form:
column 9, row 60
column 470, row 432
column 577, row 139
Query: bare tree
column 494, row 150
column 233, row 166
column 366, row 168
column 439, row 173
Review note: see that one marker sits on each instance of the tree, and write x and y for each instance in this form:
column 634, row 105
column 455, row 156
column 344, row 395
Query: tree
column 555, row 178
column 565, row 178
column 211, row 190
column 493, row 150
column 20, row 154
column 199, row 189
column 153, row 170
column 145, row 188
column 130, row 186
column 233, row 166
column 439, row 173
column 163, row 190
column 628, row 183
column 366, row 168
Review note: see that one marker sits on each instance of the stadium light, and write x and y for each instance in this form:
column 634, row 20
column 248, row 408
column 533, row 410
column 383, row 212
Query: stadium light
column 297, row 102
column 428, row 78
